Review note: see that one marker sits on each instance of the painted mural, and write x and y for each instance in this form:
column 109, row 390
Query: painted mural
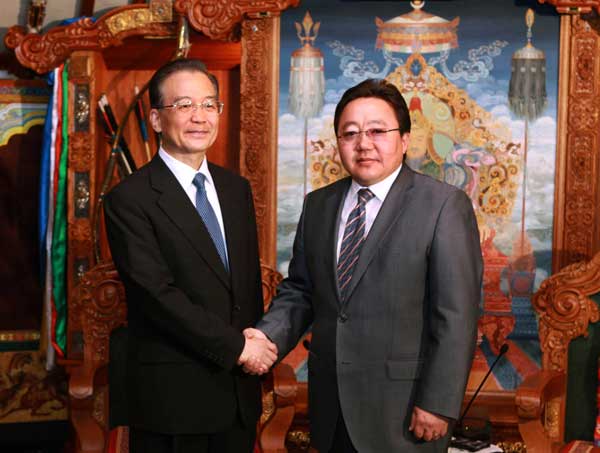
column 28, row 391
column 480, row 80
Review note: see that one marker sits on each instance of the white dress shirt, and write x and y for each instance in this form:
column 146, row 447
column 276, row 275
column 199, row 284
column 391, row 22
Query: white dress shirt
column 185, row 175
column 380, row 190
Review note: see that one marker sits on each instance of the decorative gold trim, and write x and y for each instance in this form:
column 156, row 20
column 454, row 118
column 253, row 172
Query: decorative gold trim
column 82, row 195
column 512, row 447
column 129, row 20
column 552, row 414
column 161, row 10
column 268, row 403
column 299, row 439
column 11, row 336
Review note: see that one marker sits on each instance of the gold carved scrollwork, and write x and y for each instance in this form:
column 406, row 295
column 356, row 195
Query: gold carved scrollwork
column 268, row 403
column 512, row 447
column 161, row 10
column 82, row 109
column 132, row 19
column 299, row 439
column 82, row 194
column 552, row 415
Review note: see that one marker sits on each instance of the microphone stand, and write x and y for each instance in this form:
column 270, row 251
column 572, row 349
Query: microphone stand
column 463, row 438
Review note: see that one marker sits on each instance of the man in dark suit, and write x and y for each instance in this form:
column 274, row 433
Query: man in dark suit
column 182, row 233
column 387, row 267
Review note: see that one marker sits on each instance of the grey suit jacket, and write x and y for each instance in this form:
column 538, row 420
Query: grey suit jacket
column 406, row 334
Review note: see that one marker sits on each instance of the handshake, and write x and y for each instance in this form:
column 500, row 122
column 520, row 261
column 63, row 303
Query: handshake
column 259, row 353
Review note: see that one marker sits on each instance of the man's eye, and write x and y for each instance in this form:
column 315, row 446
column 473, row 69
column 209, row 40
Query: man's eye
column 209, row 106
column 376, row 132
column 350, row 134
column 184, row 107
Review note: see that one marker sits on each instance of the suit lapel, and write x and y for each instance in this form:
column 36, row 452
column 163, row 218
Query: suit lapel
column 177, row 206
column 390, row 212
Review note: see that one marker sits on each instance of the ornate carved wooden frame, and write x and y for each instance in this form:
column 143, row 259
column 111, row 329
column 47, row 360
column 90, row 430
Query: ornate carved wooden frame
column 565, row 310
column 219, row 20
column 576, row 234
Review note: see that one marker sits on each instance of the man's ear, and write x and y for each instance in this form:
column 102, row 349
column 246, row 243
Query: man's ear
column 405, row 139
column 155, row 121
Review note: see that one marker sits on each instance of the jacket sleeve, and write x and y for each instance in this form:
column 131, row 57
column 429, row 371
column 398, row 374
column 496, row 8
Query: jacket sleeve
column 454, row 291
column 291, row 313
column 151, row 289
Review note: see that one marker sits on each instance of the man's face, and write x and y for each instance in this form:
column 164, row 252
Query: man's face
column 191, row 132
column 370, row 160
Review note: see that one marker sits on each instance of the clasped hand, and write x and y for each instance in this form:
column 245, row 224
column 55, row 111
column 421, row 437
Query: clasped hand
column 427, row 426
column 259, row 353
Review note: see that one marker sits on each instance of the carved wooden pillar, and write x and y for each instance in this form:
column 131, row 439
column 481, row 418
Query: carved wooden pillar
column 258, row 124
column 577, row 188
column 81, row 155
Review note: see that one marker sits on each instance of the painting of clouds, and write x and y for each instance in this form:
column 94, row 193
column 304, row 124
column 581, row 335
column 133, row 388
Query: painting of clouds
column 480, row 80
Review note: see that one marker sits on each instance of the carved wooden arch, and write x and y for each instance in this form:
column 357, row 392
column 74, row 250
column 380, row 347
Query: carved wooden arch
column 565, row 310
column 217, row 20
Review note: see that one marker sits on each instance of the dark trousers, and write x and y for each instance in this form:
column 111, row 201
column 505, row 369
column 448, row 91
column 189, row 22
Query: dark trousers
column 341, row 438
column 237, row 439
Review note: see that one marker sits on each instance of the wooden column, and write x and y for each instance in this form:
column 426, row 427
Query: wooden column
column 258, row 126
column 577, row 181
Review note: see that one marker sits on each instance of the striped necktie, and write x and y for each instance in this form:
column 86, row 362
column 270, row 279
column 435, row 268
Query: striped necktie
column 354, row 236
column 209, row 218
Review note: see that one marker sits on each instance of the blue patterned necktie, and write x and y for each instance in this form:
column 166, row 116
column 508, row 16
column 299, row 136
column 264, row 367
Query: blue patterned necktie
column 209, row 218
column 354, row 236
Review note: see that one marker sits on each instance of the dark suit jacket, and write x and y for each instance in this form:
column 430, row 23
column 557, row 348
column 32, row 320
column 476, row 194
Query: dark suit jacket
column 185, row 312
column 406, row 334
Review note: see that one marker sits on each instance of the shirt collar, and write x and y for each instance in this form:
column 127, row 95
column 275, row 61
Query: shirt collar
column 380, row 189
column 182, row 171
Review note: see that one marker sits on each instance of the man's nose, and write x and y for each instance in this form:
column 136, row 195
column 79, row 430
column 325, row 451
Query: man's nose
column 198, row 114
column 364, row 142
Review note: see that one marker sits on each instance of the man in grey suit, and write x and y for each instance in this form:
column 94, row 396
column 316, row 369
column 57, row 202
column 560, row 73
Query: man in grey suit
column 387, row 268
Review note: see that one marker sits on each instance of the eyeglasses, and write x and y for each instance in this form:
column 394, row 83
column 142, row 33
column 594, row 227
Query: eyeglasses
column 375, row 135
column 185, row 107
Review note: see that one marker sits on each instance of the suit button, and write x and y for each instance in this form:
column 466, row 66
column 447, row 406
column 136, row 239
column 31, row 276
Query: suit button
column 343, row 317
column 236, row 308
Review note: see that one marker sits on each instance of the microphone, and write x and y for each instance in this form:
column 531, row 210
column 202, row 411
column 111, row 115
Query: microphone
column 460, row 433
